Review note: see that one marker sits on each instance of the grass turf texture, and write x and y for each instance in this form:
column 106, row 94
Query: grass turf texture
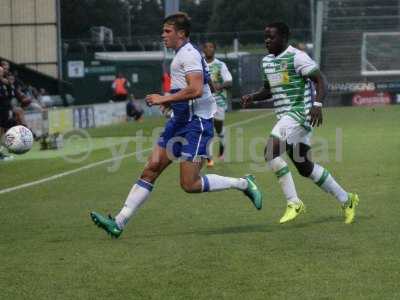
column 208, row 246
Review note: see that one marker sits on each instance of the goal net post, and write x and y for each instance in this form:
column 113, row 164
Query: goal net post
column 380, row 54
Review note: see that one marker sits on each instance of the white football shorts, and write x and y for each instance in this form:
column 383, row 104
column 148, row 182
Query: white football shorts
column 291, row 131
column 220, row 114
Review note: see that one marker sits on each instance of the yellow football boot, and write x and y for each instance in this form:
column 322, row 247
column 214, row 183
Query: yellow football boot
column 349, row 208
column 292, row 211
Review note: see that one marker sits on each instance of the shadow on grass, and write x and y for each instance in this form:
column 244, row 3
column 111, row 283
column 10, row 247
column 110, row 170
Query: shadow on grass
column 268, row 227
column 258, row 228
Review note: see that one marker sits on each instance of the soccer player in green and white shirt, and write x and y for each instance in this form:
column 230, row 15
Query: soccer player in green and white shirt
column 221, row 80
column 288, row 75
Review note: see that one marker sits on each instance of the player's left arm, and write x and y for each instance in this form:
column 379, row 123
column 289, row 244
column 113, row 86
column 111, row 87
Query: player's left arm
column 194, row 89
column 308, row 68
column 319, row 82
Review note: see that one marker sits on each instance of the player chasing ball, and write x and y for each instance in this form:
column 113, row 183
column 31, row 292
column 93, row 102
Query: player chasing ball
column 186, row 135
column 288, row 75
column 221, row 80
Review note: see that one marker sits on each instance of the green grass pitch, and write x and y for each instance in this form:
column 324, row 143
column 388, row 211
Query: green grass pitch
column 207, row 246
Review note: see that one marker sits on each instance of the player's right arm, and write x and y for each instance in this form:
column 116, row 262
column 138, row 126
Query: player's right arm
column 226, row 78
column 192, row 65
column 263, row 93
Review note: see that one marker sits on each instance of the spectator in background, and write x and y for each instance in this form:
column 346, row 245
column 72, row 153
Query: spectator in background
column 44, row 98
column 19, row 84
column 120, row 88
column 15, row 98
column 6, row 118
column 19, row 101
column 6, row 67
column 21, row 92
column 166, row 87
column 35, row 105
column 3, row 78
column 134, row 110
column 166, row 82
column 9, row 116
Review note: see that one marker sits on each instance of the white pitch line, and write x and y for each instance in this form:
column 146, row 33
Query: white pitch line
column 92, row 165
column 249, row 120
column 89, row 166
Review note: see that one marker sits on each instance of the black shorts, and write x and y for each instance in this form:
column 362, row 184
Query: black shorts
column 120, row 98
column 133, row 110
column 7, row 119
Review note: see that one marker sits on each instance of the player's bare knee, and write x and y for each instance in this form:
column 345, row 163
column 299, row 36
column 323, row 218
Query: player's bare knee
column 189, row 186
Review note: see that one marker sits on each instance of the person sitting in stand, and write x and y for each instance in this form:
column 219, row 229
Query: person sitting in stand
column 120, row 88
column 134, row 110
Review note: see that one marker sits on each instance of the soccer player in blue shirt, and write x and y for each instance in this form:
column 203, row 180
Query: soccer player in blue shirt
column 186, row 135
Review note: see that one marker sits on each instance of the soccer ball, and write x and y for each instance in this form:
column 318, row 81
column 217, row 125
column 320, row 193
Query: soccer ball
column 18, row 139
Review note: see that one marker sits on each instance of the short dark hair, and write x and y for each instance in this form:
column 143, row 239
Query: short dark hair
column 210, row 42
column 180, row 20
column 283, row 28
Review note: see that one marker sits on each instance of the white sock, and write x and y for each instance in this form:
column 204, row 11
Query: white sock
column 281, row 170
column 325, row 181
column 136, row 197
column 212, row 182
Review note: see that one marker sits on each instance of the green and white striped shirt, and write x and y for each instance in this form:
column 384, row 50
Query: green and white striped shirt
column 219, row 74
column 291, row 90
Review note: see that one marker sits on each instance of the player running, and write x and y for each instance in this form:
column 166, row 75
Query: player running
column 186, row 135
column 288, row 74
column 221, row 80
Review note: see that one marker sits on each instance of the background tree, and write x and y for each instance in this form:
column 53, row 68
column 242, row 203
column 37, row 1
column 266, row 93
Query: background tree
column 78, row 16
column 200, row 13
column 147, row 16
column 249, row 15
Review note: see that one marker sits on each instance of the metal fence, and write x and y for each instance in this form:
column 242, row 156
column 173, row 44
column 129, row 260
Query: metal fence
column 251, row 41
column 242, row 51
